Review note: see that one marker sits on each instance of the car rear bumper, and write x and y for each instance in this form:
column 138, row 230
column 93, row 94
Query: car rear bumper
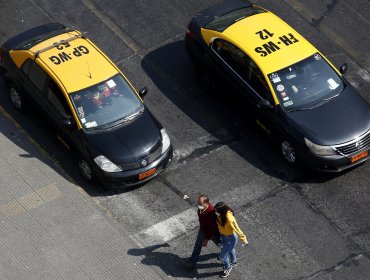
column 131, row 178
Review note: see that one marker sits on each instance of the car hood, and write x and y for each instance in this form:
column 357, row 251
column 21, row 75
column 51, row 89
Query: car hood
column 128, row 143
column 337, row 121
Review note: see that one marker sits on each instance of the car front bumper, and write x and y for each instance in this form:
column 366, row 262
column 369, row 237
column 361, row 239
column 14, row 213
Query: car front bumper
column 333, row 164
column 130, row 178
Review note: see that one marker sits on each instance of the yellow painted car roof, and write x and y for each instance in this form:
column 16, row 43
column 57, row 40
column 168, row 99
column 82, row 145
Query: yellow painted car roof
column 246, row 34
column 77, row 66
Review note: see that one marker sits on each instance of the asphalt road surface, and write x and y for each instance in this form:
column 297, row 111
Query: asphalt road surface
column 300, row 225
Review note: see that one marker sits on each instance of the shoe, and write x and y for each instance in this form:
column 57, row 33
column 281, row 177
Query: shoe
column 234, row 264
column 218, row 258
column 226, row 272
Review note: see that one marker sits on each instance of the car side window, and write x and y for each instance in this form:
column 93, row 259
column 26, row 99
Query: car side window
column 243, row 66
column 56, row 98
column 26, row 66
column 235, row 58
column 258, row 82
column 37, row 75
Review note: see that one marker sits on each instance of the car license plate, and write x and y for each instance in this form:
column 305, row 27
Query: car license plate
column 147, row 173
column 359, row 156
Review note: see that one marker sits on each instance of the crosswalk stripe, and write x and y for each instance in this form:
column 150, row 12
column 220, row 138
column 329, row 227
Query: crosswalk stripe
column 169, row 229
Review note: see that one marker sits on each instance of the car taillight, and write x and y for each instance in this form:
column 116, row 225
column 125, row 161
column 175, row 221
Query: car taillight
column 2, row 54
column 190, row 34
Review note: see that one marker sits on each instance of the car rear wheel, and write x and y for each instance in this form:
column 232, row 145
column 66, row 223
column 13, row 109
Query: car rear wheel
column 85, row 170
column 16, row 98
column 288, row 152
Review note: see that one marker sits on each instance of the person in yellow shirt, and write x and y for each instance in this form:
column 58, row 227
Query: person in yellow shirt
column 229, row 230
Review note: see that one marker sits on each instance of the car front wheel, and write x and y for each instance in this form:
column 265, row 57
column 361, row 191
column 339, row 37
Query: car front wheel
column 16, row 98
column 85, row 170
column 288, row 152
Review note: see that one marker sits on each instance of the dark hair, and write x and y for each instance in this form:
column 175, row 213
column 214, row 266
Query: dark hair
column 206, row 199
column 222, row 208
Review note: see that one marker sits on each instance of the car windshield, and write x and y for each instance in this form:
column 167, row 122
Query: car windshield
column 106, row 104
column 306, row 84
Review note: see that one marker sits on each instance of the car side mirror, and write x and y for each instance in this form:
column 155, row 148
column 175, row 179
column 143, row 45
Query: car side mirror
column 343, row 68
column 264, row 103
column 67, row 122
column 143, row 92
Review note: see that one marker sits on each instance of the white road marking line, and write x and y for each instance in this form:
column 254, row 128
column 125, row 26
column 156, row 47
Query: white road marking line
column 113, row 26
column 202, row 142
column 168, row 229
column 364, row 75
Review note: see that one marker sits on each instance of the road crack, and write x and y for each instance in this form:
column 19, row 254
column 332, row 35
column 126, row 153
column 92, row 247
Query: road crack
column 315, row 208
column 351, row 260
column 330, row 8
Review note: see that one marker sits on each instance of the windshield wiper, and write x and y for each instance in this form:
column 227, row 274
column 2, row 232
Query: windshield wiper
column 317, row 104
column 322, row 101
column 121, row 120
column 30, row 43
column 133, row 116
column 240, row 18
column 300, row 109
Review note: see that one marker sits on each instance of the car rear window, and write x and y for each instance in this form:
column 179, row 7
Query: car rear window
column 35, row 40
column 224, row 21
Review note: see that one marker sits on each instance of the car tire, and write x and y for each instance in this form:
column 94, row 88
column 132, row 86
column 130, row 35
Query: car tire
column 16, row 97
column 85, row 170
column 288, row 151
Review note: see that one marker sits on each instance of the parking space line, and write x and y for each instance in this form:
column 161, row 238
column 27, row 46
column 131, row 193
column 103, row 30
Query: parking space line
column 113, row 26
column 302, row 9
column 49, row 16
column 145, row 52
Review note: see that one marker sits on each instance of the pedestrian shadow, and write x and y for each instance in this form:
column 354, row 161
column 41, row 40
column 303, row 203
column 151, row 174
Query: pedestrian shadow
column 173, row 265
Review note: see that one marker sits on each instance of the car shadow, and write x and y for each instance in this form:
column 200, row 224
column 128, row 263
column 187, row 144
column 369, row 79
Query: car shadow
column 173, row 265
column 173, row 73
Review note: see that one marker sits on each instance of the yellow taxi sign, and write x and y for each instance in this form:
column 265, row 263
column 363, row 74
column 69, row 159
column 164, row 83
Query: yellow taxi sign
column 271, row 42
column 74, row 60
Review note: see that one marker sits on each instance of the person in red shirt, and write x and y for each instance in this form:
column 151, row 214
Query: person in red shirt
column 207, row 229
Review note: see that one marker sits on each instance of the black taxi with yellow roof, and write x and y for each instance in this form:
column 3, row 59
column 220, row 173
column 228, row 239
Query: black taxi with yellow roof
column 95, row 109
column 297, row 96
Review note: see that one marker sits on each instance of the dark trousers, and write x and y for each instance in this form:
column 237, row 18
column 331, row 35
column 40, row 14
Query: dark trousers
column 198, row 245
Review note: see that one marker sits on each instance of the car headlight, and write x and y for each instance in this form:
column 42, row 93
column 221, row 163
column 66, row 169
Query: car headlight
column 319, row 150
column 165, row 140
column 106, row 164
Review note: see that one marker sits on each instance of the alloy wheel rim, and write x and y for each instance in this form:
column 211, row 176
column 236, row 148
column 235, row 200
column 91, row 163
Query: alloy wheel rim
column 15, row 98
column 85, row 169
column 288, row 151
